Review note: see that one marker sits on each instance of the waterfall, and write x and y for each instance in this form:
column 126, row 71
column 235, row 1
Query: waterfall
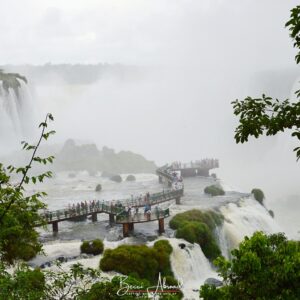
column 243, row 219
column 16, row 114
column 190, row 266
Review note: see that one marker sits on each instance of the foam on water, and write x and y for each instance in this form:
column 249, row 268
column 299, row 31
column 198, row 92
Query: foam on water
column 243, row 219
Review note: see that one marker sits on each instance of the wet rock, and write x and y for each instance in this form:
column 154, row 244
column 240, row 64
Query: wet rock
column 213, row 281
column 98, row 188
column 62, row 259
column 182, row 245
column 130, row 178
column 116, row 178
column 72, row 175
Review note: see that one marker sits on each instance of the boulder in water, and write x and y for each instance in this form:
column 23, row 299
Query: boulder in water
column 130, row 178
column 72, row 175
column 181, row 245
column 116, row 178
column 98, row 188
column 213, row 281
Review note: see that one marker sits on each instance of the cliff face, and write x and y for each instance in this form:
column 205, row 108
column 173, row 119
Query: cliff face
column 11, row 80
column 74, row 157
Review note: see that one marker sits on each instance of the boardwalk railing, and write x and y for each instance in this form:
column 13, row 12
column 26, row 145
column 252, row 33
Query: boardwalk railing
column 114, row 207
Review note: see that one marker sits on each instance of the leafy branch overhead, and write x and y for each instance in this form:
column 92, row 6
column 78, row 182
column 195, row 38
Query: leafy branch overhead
column 265, row 115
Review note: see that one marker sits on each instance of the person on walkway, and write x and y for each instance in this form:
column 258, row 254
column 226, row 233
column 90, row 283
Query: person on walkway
column 148, row 214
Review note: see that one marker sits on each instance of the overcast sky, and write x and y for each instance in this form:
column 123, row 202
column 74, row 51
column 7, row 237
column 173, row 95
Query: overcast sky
column 145, row 31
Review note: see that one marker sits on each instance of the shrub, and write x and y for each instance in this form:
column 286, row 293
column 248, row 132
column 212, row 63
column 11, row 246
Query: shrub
column 130, row 178
column 263, row 267
column 94, row 247
column 98, row 188
column 116, row 178
column 214, row 190
column 210, row 218
column 258, row 195
column 197, row 232
column 196, row 226
column 139, row 261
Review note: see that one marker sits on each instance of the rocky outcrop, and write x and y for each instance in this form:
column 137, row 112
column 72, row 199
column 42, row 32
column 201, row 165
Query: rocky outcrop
column 98, row 188
column 213, row 281
column 116, row 178
column 11, row 80
column 73, row 157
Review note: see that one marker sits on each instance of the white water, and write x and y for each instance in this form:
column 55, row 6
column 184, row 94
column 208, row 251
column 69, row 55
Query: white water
column 243, row 219
column 16, row 115
column 190, row 266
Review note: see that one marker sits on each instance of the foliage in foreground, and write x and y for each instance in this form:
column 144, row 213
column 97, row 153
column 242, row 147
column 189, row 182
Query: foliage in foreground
column 196, row 226
column 214, row 190
column 94, row 247
column 19, row 214
column 139, row 261
column 263, row 267
column 258, row 116
column 258, row 195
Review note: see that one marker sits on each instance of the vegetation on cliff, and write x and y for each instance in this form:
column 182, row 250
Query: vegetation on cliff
column 258, row 195
column 214, row 190
column 88, row 157
column 196, row 226
column 11, row 81
column 139, row 261
column 94, row 247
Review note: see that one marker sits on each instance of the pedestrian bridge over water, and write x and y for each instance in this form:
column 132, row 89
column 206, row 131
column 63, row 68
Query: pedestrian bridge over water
column 117, row 209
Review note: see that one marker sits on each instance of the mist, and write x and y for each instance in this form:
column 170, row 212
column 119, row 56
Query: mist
column 195, row 57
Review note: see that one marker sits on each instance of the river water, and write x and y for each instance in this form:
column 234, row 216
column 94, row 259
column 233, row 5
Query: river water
column 242, row 216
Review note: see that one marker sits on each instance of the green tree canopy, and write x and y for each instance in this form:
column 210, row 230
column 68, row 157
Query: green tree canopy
column 263, row 267
column 265, row 115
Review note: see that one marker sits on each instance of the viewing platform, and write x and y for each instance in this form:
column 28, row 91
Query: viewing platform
column 112, row 208
column 126, row 211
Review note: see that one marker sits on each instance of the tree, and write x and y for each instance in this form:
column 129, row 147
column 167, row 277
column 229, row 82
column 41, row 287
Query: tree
column 19, row 214
column 258, row 116
column 263, row 267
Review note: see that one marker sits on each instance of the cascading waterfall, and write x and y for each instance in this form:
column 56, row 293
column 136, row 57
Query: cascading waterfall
column 16, row 108
column 190, row 266
column 243, row 219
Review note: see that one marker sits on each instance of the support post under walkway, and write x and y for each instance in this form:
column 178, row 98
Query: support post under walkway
column 111, row 219
column 55, row 226
column 94, row 217
column 161, row 226
column 125, row 229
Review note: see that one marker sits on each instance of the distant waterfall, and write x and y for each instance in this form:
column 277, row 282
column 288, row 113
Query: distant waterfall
column 16, row 113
